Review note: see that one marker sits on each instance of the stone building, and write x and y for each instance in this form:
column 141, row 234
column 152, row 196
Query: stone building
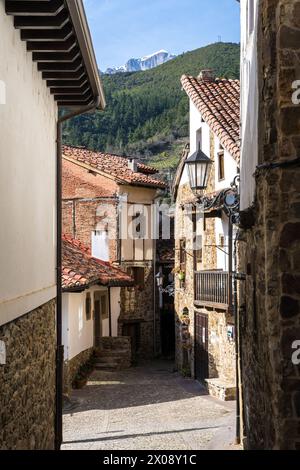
column 32, row 93
column 269, row 313
column 108, row 205
column 205, row 347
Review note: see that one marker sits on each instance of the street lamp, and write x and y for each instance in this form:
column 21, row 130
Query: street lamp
column 159, row 279
column 160, row 283
column 199, row 167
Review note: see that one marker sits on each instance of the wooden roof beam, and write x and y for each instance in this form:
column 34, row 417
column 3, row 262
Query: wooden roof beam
column 60, row 66
column 52, row 46
column 47, row 34
column 34, row 7
column 64, row 75
column 42, row 22
column 56, row 56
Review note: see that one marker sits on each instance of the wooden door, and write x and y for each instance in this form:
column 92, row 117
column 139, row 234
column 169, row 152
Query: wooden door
column 201, row 347
column 97, row 322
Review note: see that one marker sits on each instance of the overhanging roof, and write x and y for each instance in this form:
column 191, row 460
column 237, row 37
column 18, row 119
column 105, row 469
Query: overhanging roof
column 57, row 34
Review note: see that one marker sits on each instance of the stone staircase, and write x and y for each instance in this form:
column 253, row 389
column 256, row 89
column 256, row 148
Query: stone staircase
column 113, row 353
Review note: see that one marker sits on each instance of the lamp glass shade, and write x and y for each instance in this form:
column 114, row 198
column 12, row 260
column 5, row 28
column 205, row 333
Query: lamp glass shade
column 199, row 168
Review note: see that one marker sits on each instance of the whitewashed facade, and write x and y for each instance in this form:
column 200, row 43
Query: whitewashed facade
column 78, row 326
column 249, row 100
column 28, row 118
column 200, row 133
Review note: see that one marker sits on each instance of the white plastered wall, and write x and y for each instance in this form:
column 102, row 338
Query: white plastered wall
column 249, row 100
column 27, row 180
column 78, row 332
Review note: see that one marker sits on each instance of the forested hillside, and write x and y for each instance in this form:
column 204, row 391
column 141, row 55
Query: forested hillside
column 147, row 112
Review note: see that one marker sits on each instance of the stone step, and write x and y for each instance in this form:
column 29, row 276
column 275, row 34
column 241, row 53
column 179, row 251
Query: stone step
column 109, row 359
column 106, row 365
column 112, row 352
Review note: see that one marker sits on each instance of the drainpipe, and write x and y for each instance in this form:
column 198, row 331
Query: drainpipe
column 59, row 345
column 154, row 298
column 236, row 323
column 109, row 311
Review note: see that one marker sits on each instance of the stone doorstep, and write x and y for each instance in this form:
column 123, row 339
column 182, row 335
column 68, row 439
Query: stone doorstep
column 111, row 353
column 221, row 389
column 106, row 365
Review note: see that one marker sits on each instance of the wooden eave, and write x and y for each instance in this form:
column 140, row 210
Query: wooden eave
column 57, row 34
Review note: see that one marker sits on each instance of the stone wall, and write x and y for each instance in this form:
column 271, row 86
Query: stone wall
column 270, row 247
column 221, row 350
column 27, row 398
column 72, row 366
column 184, row 292
column 137, row 305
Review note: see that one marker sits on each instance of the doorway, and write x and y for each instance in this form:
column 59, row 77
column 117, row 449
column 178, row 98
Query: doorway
column 100, row 313
column 201, row 347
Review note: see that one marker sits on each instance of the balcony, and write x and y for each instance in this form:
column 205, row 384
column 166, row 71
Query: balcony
column 213, row 289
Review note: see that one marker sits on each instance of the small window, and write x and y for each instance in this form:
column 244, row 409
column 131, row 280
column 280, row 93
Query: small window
column 138, row 275
column 222, row 241
column 182, row 254
column 198, row 253
column 138, row 225
column 104, row 306
column 199, row 138
column 250, row 17
column 88, row 306
column 221, row 165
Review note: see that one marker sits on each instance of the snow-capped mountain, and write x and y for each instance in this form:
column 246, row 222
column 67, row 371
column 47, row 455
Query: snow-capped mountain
column 145, row 63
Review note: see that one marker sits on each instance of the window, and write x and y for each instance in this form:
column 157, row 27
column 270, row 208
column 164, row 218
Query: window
column 138, row 275
column 138, row 225
column 88, row 306
column 182, row 254
column 250, row 17
column 199, row 138
column 222, row 241
column 198, row 253
column 100, row 245
column 221, row 165
column 198, row 241
column 104, row 306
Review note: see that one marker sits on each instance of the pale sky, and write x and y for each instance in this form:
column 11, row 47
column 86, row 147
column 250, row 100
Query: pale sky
column 123, row 29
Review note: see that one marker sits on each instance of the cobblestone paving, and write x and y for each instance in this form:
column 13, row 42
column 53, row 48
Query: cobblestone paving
column 146, row 408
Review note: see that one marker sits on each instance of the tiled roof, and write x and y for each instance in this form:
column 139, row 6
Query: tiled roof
column 114, row 166
column 80, row 270
column 218, row 101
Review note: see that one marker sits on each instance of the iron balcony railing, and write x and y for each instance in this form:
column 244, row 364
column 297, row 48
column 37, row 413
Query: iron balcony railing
column 213, row 289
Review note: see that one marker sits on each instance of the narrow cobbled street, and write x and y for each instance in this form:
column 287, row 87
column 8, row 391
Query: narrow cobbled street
column 146, row 408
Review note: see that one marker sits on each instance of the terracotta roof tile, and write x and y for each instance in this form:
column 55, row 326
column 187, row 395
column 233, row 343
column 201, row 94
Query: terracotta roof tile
column 80, row 270
column 114, row 166
column 218, row 101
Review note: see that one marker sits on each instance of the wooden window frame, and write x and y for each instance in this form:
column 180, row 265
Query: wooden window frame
column 88, row 306
column 221, row 165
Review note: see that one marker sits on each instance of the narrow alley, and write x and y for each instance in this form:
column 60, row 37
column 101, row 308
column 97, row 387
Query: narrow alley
column 149, row 407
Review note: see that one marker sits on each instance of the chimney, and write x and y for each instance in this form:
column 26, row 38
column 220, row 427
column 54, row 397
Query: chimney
column 132, row 165
column 207, row 75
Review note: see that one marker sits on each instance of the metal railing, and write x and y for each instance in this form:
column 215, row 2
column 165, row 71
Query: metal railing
column 213, row 288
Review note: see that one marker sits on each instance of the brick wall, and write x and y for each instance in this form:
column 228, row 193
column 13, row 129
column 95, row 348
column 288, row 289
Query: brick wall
column 269, row 250
column 81, row 217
